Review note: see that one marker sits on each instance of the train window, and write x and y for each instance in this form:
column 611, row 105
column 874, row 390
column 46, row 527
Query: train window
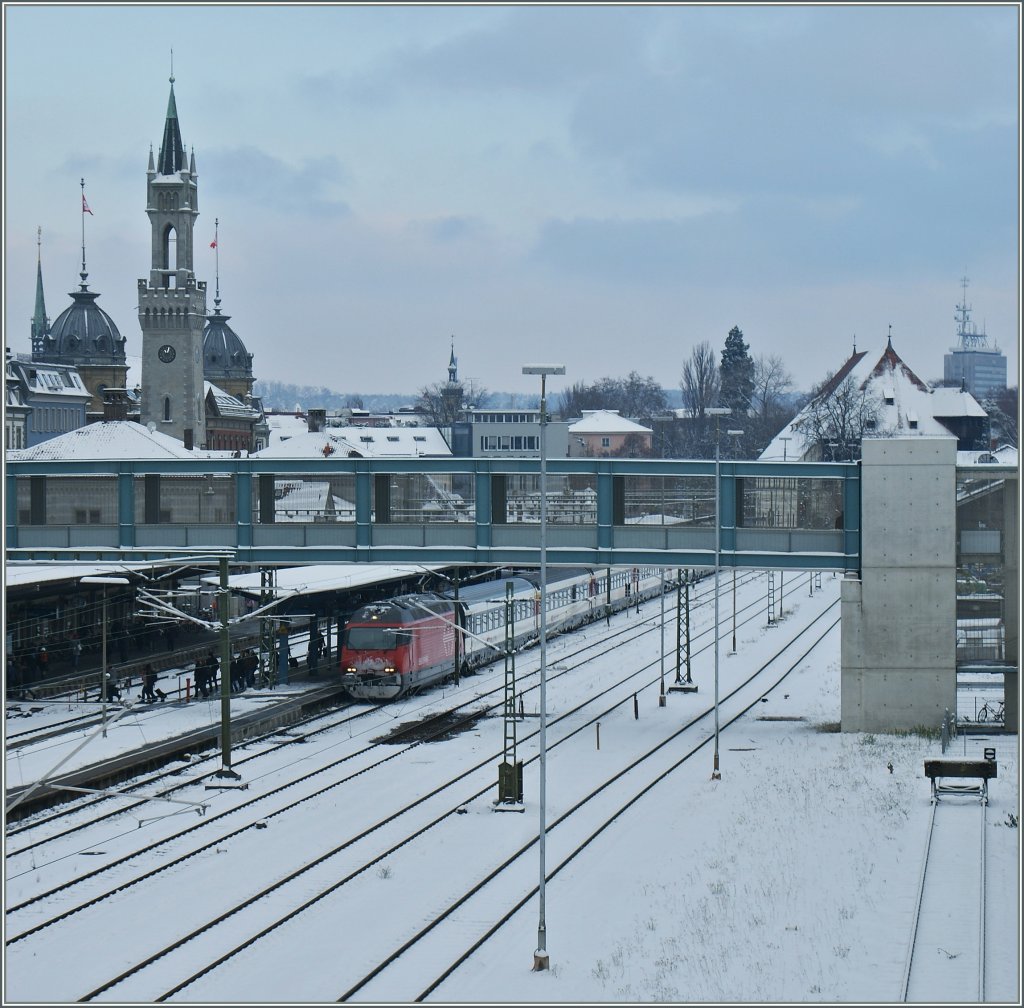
column 371, row 638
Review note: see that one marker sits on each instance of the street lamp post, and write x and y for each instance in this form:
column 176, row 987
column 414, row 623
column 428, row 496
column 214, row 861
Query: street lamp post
column 737, row 434
column 540, row 957
column 103, row 580
column 662, row 699
column 716, row 773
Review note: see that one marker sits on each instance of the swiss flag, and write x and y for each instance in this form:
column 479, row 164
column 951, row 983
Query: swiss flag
column 213, row 244
column 85, row 206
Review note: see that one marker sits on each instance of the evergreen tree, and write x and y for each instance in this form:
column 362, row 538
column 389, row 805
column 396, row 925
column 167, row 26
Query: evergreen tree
column 736, row 374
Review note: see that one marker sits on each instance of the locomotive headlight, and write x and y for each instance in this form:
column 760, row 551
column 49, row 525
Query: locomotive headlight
column 390, row 668
column 351, row 668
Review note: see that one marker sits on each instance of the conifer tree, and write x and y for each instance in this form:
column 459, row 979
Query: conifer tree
column 736, row 374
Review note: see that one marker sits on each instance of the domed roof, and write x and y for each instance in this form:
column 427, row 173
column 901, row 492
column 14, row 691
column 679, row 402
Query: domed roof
column 224, row 354
column 83, row 334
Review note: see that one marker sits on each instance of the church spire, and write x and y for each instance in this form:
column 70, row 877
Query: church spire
column 172, row 153
column 453, row 365
column 40, row 323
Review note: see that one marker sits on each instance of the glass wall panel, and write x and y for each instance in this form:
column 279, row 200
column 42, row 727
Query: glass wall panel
column 571, row 500
column 415, row 498
column 983, row 508
column 790, row 502
column 308, row 498
column 185, row 500
column 670, row 500
column 67, row 500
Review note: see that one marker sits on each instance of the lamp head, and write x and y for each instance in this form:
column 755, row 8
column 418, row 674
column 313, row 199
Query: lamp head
column 543, row 369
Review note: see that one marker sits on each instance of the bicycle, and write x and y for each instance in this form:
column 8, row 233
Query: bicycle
column 991, row 712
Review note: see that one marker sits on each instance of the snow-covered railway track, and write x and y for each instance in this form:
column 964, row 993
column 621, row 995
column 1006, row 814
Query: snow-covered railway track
column 78, row 815
column 453, row 933
column 357, row 904
column 946, row 955
column 286, row 885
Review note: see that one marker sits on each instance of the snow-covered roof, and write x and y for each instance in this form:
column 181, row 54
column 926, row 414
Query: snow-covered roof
column 361, row 442
column 909, row 406
column 1003, row 456
column 955, row 402
column 106, row 440
column 325, row 577
column 606, row 422
column 58, row 380
column 228, row 405
column 18, row 573
column 285, row 425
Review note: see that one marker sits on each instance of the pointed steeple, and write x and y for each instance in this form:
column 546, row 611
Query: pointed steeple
column 172, row 153
column 453, row 365
column 40, row 323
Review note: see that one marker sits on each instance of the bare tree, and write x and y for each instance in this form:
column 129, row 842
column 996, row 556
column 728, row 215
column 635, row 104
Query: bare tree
column 443, row 402
column 632, row 396
column 768, row 404
column 700, row 380
column 1003, row 411
column 835, row 422
column 701, row 388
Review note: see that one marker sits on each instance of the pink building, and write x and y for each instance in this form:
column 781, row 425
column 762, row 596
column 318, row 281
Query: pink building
column 603, row 433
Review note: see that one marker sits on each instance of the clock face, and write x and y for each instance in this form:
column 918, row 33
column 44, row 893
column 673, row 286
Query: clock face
column 166, row 353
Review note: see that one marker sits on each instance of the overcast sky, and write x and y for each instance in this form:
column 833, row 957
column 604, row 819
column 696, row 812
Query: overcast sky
column 602, row 187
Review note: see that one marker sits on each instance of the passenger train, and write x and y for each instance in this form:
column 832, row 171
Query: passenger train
column 400, row 645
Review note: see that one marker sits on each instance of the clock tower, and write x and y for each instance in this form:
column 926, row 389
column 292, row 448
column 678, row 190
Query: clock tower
column 172, row 302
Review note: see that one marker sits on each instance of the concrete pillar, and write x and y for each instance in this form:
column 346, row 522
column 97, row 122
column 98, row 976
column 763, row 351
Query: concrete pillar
column 899, row 618
column 1011, row 599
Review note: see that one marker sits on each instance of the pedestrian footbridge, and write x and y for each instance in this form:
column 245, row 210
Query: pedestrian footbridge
column 773, row 515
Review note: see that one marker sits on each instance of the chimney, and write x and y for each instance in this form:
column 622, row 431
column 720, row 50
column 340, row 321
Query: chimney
column 115, row 404
column 316, row 420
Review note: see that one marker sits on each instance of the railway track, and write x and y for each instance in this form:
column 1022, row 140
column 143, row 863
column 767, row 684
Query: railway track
column 946, row 955
column 366, row 848
column 444, row 937
column 431, row 726
column 307, row 729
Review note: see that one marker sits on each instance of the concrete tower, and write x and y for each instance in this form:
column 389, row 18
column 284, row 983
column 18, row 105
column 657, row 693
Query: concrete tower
column 172, row 303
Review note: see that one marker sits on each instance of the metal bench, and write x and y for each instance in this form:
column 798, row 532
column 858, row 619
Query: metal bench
column 937, row 770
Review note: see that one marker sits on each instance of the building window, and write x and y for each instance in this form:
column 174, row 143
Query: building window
column 606, row 442
column 167, row 408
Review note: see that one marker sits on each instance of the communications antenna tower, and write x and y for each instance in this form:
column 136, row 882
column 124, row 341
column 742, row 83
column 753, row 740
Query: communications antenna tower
column 968, row 337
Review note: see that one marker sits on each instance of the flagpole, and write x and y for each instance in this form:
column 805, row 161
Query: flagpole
column 216, row 252
column 83, row 229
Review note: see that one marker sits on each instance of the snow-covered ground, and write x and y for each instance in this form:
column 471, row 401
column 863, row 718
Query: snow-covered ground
column 790, row 879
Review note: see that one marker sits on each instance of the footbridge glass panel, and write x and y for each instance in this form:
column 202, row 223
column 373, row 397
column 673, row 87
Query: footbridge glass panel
column 987, row 545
